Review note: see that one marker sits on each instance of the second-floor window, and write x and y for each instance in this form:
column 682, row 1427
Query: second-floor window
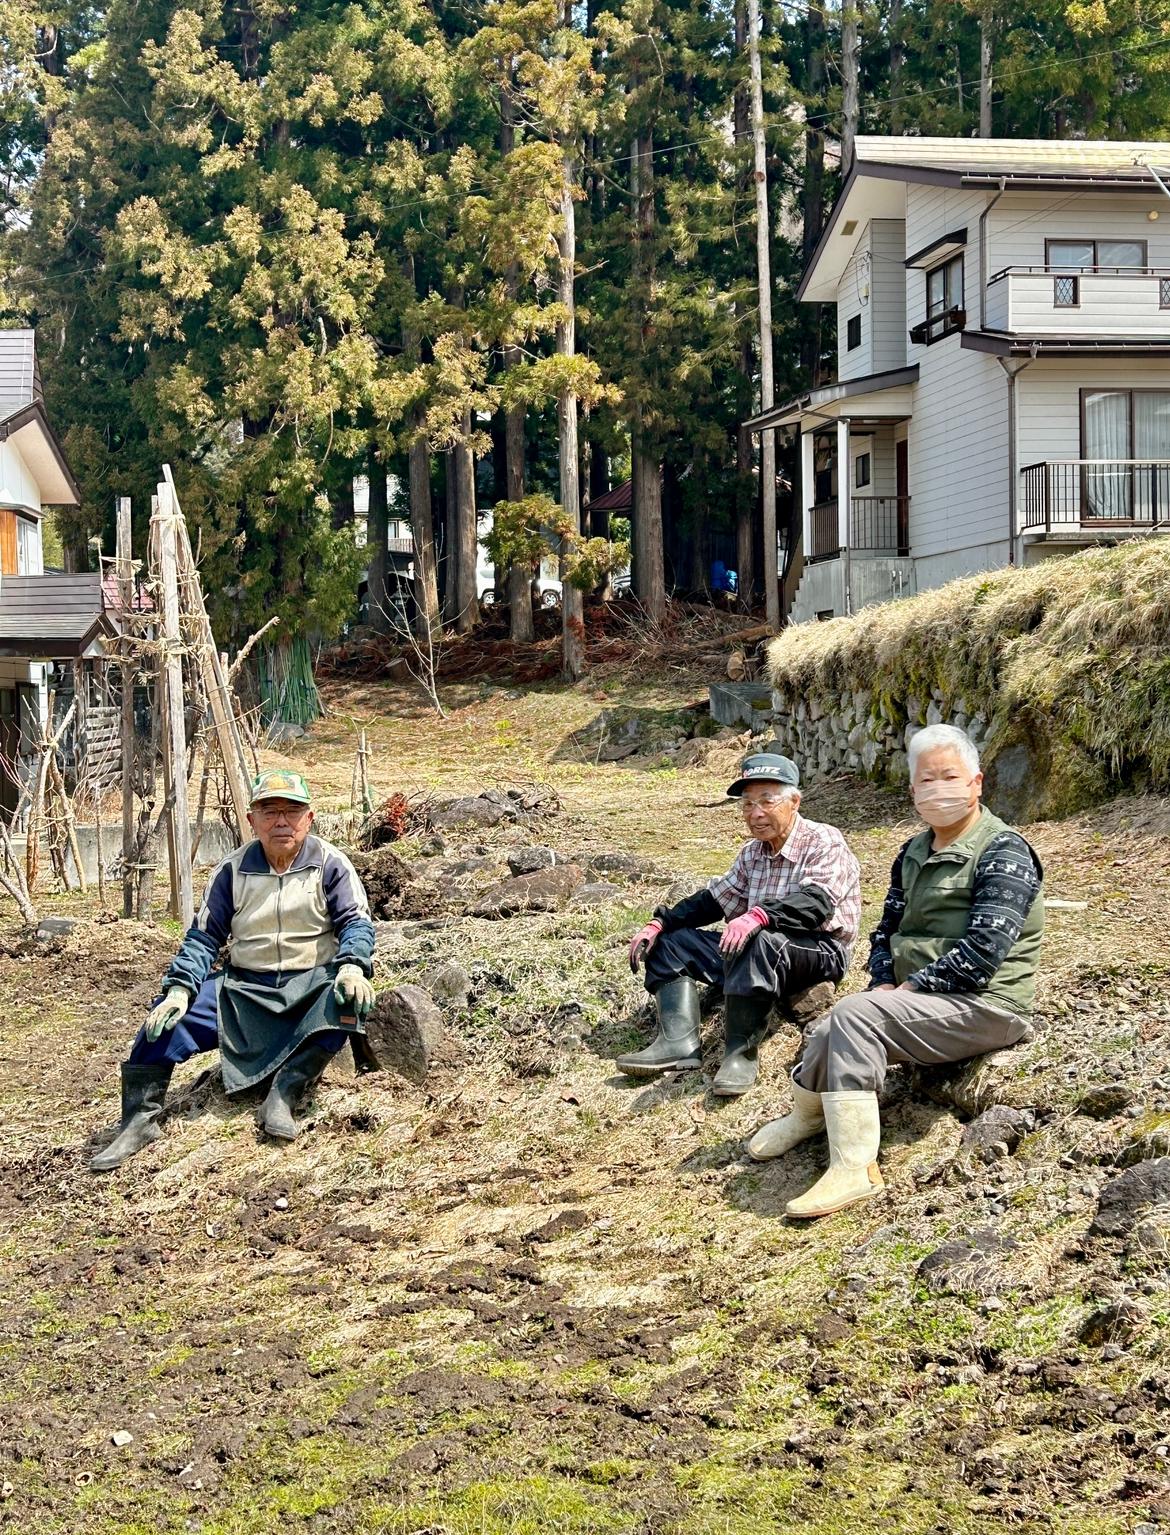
column 1072, row 257
column 944, row 303
column 853, row 333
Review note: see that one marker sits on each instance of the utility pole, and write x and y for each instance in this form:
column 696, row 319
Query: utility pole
column 764, row 277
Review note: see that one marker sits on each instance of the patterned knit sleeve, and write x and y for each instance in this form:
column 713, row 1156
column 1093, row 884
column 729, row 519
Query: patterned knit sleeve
column 881, row 960
column 1007, row 881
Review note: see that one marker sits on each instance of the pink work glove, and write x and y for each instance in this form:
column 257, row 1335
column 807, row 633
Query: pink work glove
column 738, row 931
column 642, row 942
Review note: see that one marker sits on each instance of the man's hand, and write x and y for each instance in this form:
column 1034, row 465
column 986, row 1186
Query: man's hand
column 737, row 932
column 168, row 1012
column 351, row 986
column 642, row 942
column 885, row 986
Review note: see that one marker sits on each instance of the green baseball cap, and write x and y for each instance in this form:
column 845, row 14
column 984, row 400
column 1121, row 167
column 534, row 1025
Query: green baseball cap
column 280, row 783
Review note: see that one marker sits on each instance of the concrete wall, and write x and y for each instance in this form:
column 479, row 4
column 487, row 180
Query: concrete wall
column 214, row 844
column 872, row 579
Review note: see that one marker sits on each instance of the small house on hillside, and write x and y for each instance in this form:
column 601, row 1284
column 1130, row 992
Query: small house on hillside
column 1002, row 391
column 48, row 619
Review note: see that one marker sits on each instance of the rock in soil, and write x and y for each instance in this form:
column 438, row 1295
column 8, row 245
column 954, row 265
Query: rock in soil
column 471, row 811
column 546, row 890
column 527, row 860
column 969, row 1266
column 405, row 1032
column 1119, row 1323
column 595, row 893
column 450, row 985
column 623, row 864
column 996, row 1133
column 1105, row 1101
column 1128, row 1199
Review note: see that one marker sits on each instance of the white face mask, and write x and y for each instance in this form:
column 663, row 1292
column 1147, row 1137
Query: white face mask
column 944, row 803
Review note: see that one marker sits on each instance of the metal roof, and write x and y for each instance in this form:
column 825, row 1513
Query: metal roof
column 619, row 499
column 1046, row 158
column 51, row 617
column 20, row 374
column 828, row 394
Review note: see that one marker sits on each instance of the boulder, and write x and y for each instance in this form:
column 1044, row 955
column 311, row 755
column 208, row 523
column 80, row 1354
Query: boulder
column 1121, row 1322
column 405, row 1032
column 546, row 890
column 1127, row 1200
column 595, row 893
column 1105, row 1100
column 56, row 927
column 805, row 1007
column 526, row 860
column 625, row 864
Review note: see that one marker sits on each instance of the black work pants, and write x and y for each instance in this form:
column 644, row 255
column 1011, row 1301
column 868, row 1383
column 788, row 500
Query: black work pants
column 776, row 962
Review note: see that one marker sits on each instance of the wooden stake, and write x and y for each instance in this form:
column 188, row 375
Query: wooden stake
column 125, row 569
column 174, row 734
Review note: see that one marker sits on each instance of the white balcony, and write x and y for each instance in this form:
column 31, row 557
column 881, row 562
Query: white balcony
column 1056, row 301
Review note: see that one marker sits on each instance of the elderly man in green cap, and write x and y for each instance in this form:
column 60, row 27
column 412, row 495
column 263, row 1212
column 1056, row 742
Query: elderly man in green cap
column 791, row 903
column 291, row 913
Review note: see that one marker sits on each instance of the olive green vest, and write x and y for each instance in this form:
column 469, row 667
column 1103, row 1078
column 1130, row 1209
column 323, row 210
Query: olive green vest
column 938, row 887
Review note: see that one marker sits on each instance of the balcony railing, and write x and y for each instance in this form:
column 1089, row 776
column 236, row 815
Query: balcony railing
column 1056, row 301
column 877, row 525
column 1095, row 493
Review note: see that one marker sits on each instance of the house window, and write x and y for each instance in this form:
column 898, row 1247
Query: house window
column 1095, row 255
column 1125, row 436
column 1066, row 292
column 1164, row 292
column 28, row 548
column 944, row 303
column 853, row 333
column 862, row 469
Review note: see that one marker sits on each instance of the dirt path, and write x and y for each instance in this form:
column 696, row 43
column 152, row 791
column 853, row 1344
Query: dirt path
column 535, row 1297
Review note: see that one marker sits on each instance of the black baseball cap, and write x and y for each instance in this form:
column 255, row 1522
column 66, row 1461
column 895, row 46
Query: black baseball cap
column 766, row 767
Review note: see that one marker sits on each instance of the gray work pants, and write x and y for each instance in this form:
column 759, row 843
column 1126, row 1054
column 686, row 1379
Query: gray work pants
column 849, row 1049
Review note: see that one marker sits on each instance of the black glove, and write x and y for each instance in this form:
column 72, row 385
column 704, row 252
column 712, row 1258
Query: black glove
column 803, row 911
column 698, row 910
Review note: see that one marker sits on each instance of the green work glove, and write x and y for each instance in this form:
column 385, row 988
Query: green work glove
column 351, row 986
column 168, row 1012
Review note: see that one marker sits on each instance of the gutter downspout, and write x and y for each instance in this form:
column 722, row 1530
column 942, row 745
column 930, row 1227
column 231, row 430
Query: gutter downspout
column 983, row 253
column 1012, row 373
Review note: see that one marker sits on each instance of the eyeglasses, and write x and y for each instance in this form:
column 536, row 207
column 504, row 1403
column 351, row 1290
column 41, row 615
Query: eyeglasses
column 293, row 814
column 765, row 802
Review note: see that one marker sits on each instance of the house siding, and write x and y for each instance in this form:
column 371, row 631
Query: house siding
column 873, row 287
column 1049, row 412
column 17, row 485
column 958, row 441
column 1020, row 222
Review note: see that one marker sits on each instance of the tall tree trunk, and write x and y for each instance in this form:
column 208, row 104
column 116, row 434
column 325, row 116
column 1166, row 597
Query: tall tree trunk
column 598, row 486
column 897, row 60
column 466, row 596
column 572, row 598
column 450, row 542
column 850, row 49
column 649, row 568
column 985, row 24
column 764, row 271
column 343, row 513
column 377, row 532
column 745, row 488
column 422, row 523
column 520, row 625
column 813, row 197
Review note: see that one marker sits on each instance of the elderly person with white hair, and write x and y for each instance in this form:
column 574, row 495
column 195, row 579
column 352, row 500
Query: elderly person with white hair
column 952, row 972
column 791, row 905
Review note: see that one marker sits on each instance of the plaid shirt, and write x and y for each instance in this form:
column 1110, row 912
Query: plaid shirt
column 814, row 854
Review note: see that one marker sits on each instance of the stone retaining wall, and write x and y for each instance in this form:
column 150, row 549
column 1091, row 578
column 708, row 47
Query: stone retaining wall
column 862, row 732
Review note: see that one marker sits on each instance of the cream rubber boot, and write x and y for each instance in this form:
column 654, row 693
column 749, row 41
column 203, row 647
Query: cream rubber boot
column 806, row 1118
column 855, row 1132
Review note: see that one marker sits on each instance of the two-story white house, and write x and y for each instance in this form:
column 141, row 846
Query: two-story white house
column 1003, row 370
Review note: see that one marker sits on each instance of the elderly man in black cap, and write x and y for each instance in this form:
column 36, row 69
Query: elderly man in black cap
column 791, row 902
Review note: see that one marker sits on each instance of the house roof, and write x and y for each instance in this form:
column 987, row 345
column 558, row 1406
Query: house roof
column 619, row 499
column 28, row 428
column 1001, row 344
column 884, row 165
column 52, row 617
column 828, row 394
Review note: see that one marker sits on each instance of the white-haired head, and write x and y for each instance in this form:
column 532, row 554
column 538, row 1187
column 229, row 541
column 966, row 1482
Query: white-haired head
column 943, row 738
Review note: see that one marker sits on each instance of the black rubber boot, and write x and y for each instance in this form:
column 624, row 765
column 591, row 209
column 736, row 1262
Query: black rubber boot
column 144, row 1090
column 745, row 1021
column 292, row 1083
column 676, row 1045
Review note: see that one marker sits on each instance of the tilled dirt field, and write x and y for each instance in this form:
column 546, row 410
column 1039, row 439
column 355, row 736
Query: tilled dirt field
column 530, row 1295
